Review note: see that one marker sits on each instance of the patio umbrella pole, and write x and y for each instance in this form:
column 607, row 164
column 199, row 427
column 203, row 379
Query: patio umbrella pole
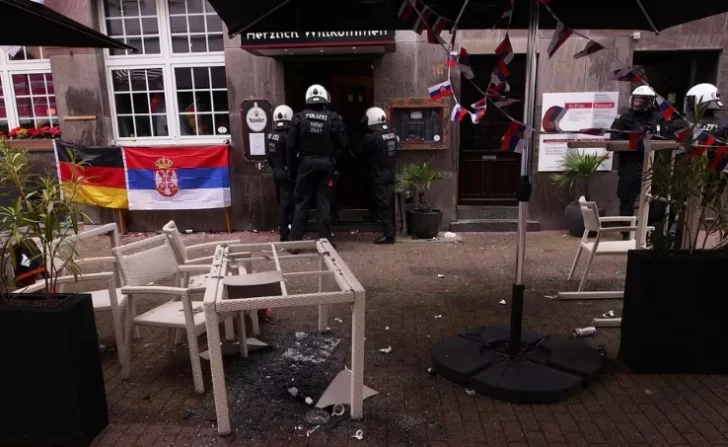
column 524, row 190
column 513, row 364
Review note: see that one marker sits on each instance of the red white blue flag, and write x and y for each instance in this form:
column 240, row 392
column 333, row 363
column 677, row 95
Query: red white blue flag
column 626, row 74
column 477, row 115
column 407, row 9
column 516, row 137
column 422, row 19
column 720, row 163
column 433, row 34
column 665, row 107
column 464, row 64
column 177, row 178
column 441, row 90
column 590, row 48
column 561, row 35
column 452, row 59
column 458, row 113
column 504, row 50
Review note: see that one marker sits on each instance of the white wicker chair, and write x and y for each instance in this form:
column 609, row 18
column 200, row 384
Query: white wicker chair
column 152, row 261
column 185, row 256
column 593, row 223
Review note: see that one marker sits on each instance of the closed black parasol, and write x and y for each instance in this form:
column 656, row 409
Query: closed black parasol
column 331, row 15
column 32, row 24
column 511, row 364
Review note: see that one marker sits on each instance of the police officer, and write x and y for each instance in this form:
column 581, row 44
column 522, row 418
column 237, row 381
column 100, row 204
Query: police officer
column 381, row 146
column 706, row 99
column 642, row 116
column 316, row 138
column 278, row 160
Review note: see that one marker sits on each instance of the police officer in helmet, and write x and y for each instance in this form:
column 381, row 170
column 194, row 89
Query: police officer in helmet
column 278, row 160
column 705, row 98
column 643, row 116
column 381, row 146
column 316, row 138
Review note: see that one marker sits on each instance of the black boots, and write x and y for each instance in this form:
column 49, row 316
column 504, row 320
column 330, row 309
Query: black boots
column 384, row 240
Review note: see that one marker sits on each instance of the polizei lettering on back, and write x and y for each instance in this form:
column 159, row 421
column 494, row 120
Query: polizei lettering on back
column 317, row 116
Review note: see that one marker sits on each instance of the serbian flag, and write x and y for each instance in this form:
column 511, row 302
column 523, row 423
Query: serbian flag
column 421, row 22
column 433, row 34
column 93, row 175
column 406, row 10
column 561, row 35
column 452, row 59
column 625, row 74
column 441, row 90
column 477, row 115
column 480, row 104
column 189, row 178
column 590, row 48
column 516, row 137
column 635, row 138
column 458, row 113
column 720, row 163
column 504, row 50
column 666, row 108
column 464, row 64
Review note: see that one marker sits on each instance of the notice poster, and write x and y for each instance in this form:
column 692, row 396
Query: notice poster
column 568, row 113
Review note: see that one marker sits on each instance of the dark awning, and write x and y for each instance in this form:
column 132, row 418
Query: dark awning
column 331, row 15
column 28, row 23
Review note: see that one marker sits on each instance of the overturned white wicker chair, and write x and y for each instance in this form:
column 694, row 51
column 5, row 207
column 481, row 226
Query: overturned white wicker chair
column 152, row 261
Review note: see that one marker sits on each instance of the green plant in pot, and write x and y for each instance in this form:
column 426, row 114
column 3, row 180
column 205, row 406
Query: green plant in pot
column 55, row 393
column 674, row 303
column 423, row 221
column 577, row 169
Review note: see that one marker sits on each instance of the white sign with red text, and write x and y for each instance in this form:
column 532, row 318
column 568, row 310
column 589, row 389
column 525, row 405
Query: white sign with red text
column 569, row 113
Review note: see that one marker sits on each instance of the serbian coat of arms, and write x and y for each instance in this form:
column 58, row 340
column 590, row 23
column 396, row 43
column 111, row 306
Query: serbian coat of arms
column 165, row 177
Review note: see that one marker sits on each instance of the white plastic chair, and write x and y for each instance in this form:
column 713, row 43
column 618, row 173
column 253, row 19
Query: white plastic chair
column 599, row 247
column 185, row 256
column 145, row 264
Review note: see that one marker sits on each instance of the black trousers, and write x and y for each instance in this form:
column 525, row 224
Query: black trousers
column 315, row 178
column 628, row 190
column 382, row 185
column 284, row 197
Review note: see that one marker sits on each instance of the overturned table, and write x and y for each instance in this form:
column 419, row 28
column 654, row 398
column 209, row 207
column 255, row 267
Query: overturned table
column 217, row 305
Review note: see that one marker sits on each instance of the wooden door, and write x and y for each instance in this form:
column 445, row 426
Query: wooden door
column 351, row 96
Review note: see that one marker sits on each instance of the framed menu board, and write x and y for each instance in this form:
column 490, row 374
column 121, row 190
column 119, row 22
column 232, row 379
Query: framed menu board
column 420, row 123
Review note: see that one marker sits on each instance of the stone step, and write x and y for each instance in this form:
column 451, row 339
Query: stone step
column 349, row 220
column 487, row 212
column 490, row 226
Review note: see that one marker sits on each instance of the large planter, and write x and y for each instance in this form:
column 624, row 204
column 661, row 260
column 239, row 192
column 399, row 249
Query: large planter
column 424, row 224
column 674, row 313
column 32, row 144
column 52, row 382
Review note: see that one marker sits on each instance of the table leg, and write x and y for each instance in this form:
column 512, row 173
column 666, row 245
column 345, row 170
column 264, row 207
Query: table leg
column 323, row 322
column 243, row 336
column 212, row 322
column 357, row 357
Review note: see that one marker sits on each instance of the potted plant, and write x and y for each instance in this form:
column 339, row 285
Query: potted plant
column 54, row 387
column 423, row 220
column 674, row 304
column 577, row 169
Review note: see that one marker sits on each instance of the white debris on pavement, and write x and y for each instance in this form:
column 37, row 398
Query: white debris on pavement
column 440, row 275
column 450, row 234
column 338, row 320
column 438, row 317
column 359, row 435
column 608, row 314
column 551, row 297
column 386, row 328
column 470, row 392
column 300, row 336
column 502, row 302
column 386, row 350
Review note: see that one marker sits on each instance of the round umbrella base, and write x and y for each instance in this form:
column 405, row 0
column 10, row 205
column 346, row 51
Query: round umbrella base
column 545, row 370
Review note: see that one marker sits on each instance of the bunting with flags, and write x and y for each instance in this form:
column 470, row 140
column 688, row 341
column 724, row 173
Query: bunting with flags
column 441, row 90
column 665, row 107
column 516, row 137
column 626, row 74
column 504, row 50
column 452, row 59
column 561, row 35
column 406, row 10
column 477, row 115
column 590, row 48
column 464, row 64
column 433, row 34
column 458, row 113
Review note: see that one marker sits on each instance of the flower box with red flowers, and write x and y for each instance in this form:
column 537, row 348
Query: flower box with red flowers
column 33, row 138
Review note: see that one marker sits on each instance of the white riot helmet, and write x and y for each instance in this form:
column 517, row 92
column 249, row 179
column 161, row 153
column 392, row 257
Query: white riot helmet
column 316, row 94
column 375, row 116
column 282, row 114
column 705, row 95
column 642, row 99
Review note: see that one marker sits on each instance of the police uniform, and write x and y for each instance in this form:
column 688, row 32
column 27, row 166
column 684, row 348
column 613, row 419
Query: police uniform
column 316, row 137
column 381, row 146
column 630, row 162
column 278, row 160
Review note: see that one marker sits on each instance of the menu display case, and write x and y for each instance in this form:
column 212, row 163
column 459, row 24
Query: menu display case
column 420, row 123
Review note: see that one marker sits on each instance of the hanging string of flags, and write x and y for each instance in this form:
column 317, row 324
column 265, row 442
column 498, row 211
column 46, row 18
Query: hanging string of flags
column 518, row 133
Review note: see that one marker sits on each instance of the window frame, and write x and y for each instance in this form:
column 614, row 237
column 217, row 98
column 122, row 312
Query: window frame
column 167, row 61
column 8, row 68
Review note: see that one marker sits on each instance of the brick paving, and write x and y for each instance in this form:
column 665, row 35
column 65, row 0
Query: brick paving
column 158, row 407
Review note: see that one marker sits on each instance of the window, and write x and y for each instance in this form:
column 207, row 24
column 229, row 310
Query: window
column 174, row 89
column 27, row 97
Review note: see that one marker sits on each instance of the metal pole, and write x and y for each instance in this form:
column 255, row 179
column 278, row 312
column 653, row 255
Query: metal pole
column 524, row 190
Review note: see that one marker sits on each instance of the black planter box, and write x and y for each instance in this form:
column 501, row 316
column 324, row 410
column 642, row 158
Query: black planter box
column 51, row 377
column 424, row 224
column 674, row 313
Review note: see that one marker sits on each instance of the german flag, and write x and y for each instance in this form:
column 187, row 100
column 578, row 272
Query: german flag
column 99, row 172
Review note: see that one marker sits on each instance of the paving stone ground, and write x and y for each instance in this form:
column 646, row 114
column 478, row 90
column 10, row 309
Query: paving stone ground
column 158, row 407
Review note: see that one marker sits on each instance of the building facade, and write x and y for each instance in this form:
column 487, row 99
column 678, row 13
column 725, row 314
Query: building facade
column 186, row 85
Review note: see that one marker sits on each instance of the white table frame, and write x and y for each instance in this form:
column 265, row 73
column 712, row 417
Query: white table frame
column 216, row 306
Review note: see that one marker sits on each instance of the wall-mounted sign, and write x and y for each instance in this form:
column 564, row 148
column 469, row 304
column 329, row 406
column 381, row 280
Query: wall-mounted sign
column 314, row 38
column 256, row 114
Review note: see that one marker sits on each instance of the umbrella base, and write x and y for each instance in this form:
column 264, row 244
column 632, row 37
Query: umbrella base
column 546, row 370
